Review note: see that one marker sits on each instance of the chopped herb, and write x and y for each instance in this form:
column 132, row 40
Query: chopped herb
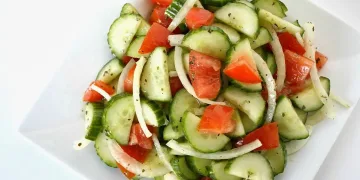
column 283, row 114
column 79, row 144
column 229, row 14
column 313, row 28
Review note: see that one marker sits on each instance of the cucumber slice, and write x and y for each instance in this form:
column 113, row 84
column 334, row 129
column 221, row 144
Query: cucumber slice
column 144, row 26
column 274, row 6
column 249, row 125
column 168, row 176
column 154, row 81
column 262, row 52
column 294, row 146
column 133, row 50
column 233, row 35
column 171, row 60
column 239, row 128
column 169, row 133
column 246, row 3
column 198, row 165
column 93, row 120
column 182, row 170
column 279, row 23
column 217, row 171
column 302, row 114
column 121, row 32
column 209, row 40
column 204, row 142
column 251, row 103
column 250, row 166
column 103, row 151
column 271, row 63
column 276, row 158
column 128, row 9
column 290, row 125
column 239, row 16
column 114, row 84
column 174, row 8
column 118, row 117
column 217, row 3
column 263, row 38
column 182, row 102
column 153, row 113
column 110, row 71
column 307, row 100
column 246, row 86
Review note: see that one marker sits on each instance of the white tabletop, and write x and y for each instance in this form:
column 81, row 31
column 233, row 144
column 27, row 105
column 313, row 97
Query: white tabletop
column 27, row 27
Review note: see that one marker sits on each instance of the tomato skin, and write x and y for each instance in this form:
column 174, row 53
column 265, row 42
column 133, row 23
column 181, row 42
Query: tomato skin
column 158, row 16
column 205, row 178
column 267, row 134
column 127, row 173
column 157, row 36
column 217, row 119
column 142, row 140
column 175, row 85
column 243, row 69
column 198, row 17
column 136, row 152
column 297, row 67
column 289, row 42
column 320, row 60
column 204, row 72
column 164, row 3
column 93, row 96
column 128, row 82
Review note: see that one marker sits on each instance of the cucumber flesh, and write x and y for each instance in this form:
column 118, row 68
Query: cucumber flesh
column 263, row 38
column 182, row 170
column 250, row 166
column 271, row 63
column 276, row 7
column 217, row 171
column 144, row 26
column 153, row 113
column 154, row 81
column 128, row 9
column 103, row 151
column 290, row 125
column 118, row 117
column 239, row 128
column 198, row 165
column 171, row 60
column 93, row 120
column 233, row 35
column 110, row 71
column 133, row 50
column 249, row 125
column 262, row 52
column 302, row 114
column 204, row 142
column 239, row 16
column 276, row 158
column 169, row 133
column 246, row 86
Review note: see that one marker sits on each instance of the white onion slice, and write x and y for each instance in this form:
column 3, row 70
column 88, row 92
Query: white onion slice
column 160, row 152
column 147, row 169
column 101, row 91
column 309, row 37
column 181, row 14
column 217, row 155
column 184, row 80
column 136, row 96
column 340, row 100
column 279, row 57
column 199, row 5
column 125, row 72
column 295, row 145
column 299, row 39
column 81, row 144
column 270, row 85
column 173, row 74
column 175, row 40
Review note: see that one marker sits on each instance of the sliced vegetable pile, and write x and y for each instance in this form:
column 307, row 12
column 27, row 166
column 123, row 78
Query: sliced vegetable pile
column 210, row 89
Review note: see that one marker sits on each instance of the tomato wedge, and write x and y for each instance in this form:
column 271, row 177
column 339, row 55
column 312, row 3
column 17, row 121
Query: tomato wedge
column 289, row 42
column 198, row 17
column 204, row 72
column 243, row 69
column 93, row 96
column 297, row 67
column 128, row 82
column 137, row 136
column 217, row 119
column 158, row 16
column 164, row 3
column 157, row 36
column 135, row 151
column 320, row 60
column 127, row 173
column 175, row 85
column 267, row 134
column 205, row 178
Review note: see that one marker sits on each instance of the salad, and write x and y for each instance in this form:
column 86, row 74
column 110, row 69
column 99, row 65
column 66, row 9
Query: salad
column 209, row 89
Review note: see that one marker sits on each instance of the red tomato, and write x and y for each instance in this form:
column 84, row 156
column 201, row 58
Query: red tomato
column 289, row 42
column 141, row 139
column 267, row 134
column 217, row 119
column 136, row 152
column 157, row 36
column 128, row 82
column 297, row 67
column 93, row 96
column 126, row 59
column 175, row 85
column 158, row 16
column 205, row 178
column 320, row 60
column 127, row 173
column 243, row 69
column 205, row 75
column 198, row 17
column 164, row 3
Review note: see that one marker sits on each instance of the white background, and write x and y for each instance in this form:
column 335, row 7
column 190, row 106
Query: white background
column 31, row 41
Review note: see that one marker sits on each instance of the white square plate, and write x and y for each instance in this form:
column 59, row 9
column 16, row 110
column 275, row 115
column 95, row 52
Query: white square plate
column 55, row 121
